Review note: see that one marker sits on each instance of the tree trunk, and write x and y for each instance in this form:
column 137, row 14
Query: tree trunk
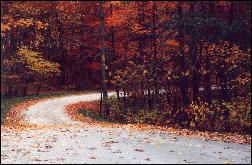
column 117, row 91
column 207, row 77
column 154, row 35
column 10, row 86
column 82, row 68
column 103, row 58
column 181, row 61
column 207, row 81
column 38, row 88
column 61, row 46
column 141, row 39
column 194, row 61
column 25, row 89
column 113, row 54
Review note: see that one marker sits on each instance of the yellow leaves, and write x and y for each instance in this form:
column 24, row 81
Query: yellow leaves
column 38, row 39
column 145, row 72
column 24, row 23
column 192, row 124
column 36, row 145
column 244, row 79
column 41, row 25
column 6, row 24
column 36, row 63
column 46, row 26
column 196, row 106
column 116, row 3
column 186, row 73
column 4, row 27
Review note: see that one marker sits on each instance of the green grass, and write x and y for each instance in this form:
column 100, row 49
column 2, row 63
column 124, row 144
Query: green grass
column 8, row 103
column 96, row 116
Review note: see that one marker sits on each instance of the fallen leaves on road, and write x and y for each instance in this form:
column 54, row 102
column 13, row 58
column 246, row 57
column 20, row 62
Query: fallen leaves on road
column 72, row 111
column 92, row 148
column 37, row 159
column 48, row 147
column 111, row 142
column 117, row 151
column 36, row 145
column 14, row 118
column 81, row 146
column 148, row 159
column 227, row 162
column 92, row 157
column 138, row 150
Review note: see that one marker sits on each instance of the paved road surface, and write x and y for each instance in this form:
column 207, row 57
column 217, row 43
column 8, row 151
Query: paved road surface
column 69, row 141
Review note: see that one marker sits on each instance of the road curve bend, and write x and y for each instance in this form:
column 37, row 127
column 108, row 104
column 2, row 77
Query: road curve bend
column 91, row 144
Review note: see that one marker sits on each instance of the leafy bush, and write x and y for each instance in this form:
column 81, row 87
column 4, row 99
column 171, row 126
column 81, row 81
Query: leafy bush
column 232, row 116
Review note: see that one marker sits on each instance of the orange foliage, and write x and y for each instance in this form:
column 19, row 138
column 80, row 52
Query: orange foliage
column 14, row 118
column 172, row 43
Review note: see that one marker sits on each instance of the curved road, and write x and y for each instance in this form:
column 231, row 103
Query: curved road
column 74, row 142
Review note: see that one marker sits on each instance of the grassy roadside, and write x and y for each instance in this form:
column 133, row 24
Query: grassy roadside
column 96, row 117
column 203, row 115
column 8, row 103
column 88, row 112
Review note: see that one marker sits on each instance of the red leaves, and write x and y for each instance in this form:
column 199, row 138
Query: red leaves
column 72, row 110
column 93, row 65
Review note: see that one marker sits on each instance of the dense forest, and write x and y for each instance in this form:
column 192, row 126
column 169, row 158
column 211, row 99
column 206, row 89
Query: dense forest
column 185, row 63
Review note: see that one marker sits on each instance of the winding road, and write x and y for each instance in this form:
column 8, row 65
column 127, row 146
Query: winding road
column 67, row 141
